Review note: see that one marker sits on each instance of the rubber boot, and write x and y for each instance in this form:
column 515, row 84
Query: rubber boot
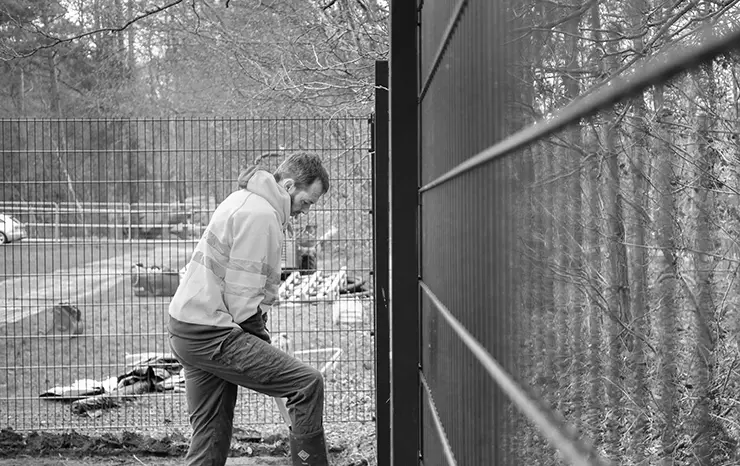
column 308, row 450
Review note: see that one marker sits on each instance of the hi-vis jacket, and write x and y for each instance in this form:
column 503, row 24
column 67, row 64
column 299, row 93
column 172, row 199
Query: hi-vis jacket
column 235, row 268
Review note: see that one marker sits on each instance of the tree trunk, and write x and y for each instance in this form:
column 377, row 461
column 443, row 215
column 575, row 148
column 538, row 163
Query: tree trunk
column 549, row 259
column 639, row 263
column 131, row 142
column 667, row 277
column 530, row 330
column 638, row 270
column 118, row 20
column 594, row 264
column 704, row 315
column 618, row 296
column 59, row 142
column 574, row 224
column 620, row 289
column 593, row 272
column 53, row 84
column 152, row 74
column 131, row 40
column 560, row 258
column 734, row 327
column 22, row 96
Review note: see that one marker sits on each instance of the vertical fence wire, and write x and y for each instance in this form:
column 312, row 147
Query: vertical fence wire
column 112, row 210
column 525, row 344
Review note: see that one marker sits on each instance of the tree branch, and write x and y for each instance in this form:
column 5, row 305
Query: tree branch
column 58, row 41
column 328, row 5
column 548, row 26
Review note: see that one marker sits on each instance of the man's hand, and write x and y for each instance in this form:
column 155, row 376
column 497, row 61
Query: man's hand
column 256, row 325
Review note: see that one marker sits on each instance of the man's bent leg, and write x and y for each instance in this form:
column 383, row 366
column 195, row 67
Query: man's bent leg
column 211, row 402
column 253, row 363
column 306, row 407
column 244, row 359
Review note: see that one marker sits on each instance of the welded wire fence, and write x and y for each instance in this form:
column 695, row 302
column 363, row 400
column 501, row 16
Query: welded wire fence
column 578, row 276
column 108, row 213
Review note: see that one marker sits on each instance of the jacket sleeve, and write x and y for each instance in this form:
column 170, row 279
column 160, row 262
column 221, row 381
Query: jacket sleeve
column 252, row 277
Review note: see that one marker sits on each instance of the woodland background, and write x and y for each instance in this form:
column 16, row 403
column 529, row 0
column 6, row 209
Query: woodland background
column 134, row 58
column 629, row 234
column 628, row 255
column 161, row 86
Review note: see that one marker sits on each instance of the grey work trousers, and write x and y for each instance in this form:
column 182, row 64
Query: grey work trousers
column 212, row 377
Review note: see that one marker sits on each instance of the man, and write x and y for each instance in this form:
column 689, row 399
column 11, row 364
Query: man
column 218, row 314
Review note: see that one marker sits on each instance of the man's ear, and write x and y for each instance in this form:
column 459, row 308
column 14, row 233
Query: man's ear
column 288, row 183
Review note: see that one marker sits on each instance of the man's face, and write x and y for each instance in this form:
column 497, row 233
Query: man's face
column 301, row 200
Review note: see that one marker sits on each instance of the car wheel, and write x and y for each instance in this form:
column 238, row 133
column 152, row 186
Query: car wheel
column 3, row 238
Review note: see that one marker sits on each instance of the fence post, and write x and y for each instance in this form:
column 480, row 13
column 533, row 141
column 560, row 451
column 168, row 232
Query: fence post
column 381, row 267
column 404, row 286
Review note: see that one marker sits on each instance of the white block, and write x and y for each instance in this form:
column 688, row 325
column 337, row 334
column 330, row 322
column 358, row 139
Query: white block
column 347, row 311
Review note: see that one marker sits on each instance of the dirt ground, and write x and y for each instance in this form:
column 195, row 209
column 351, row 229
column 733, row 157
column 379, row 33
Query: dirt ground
column 350, row 448
column 135, row 461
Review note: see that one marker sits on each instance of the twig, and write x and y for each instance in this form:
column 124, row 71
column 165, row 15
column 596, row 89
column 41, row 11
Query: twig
column 57, row 41
column 140, row 462
column 548, row 26
column 328, row 5
column 729, row 373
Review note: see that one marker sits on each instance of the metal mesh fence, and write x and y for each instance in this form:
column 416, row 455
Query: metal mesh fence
column 107, row 214
column 577, row 276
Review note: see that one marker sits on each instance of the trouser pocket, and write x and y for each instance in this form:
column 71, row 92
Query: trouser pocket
column 249, row 355
column 257, row 326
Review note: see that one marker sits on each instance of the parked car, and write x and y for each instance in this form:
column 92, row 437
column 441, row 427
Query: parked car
column 11, row 229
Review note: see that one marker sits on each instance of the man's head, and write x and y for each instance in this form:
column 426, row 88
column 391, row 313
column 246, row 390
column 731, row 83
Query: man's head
column 305, row 179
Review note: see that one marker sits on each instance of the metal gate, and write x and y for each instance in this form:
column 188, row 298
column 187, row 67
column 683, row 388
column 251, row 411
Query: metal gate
column 530, row 312
column 108, row 213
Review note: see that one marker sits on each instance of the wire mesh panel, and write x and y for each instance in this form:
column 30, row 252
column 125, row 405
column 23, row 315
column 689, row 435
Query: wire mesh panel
column 100, row 218
column 577, row 232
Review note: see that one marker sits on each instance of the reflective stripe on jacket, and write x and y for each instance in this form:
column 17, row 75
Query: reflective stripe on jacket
column 235, row 268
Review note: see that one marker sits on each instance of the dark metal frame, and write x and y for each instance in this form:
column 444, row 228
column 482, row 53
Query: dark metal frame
column 404, row 284
column 381, row 266
column 408, row 381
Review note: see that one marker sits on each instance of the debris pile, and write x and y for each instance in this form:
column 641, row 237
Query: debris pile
column 149, row 372
column 154, row 280
column 66, row 319
column 319, row 286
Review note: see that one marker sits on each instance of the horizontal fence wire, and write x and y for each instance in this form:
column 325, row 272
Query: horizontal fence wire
column 669, row 64
column 441, row 436
column 106, row 214
column 576, row 263
column 444, row 41
column 555, row 430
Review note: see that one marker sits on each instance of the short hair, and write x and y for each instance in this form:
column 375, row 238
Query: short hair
column 304, row 169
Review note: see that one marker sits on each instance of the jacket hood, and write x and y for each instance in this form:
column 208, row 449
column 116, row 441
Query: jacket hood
column 261, row 182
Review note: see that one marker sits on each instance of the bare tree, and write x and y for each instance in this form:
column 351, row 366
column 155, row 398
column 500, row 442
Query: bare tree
column 667, row 275
column 705, row 324
column 618, row 300
column 639, row 259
